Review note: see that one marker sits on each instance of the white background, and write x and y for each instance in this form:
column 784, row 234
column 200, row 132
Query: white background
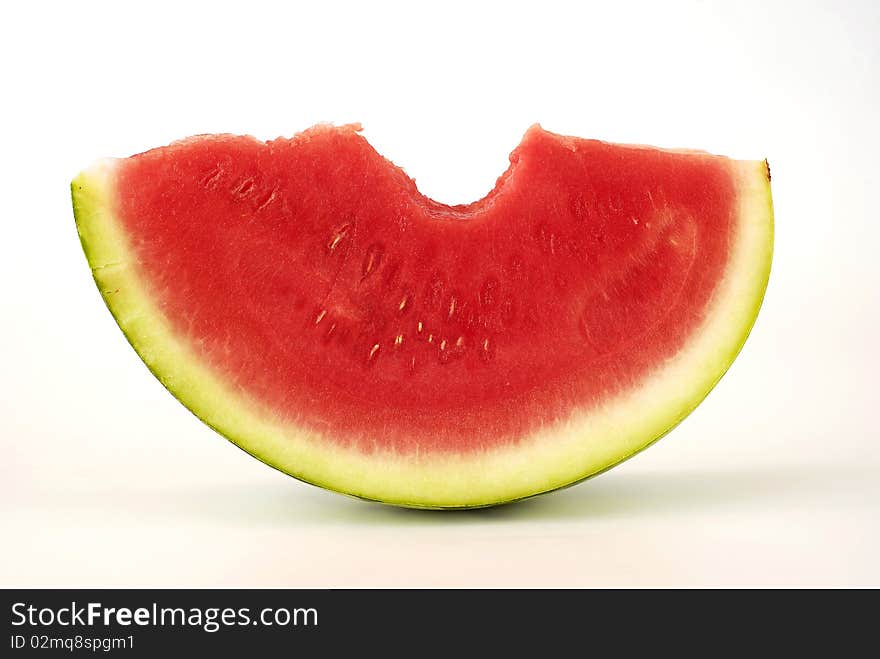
column 105, row 479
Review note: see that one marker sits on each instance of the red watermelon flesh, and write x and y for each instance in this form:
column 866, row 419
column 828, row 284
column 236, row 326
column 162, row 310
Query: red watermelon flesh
column 311, row 282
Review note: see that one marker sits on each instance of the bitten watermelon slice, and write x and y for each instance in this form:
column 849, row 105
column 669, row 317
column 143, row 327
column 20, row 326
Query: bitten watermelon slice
column 302, row 298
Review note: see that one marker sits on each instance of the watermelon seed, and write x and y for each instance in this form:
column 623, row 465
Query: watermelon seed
column 459, row 342
column 320, row 316
column 337, row 237
column 373, row 352
column 266, row 200
column 430, row 338
column 452, row 303
column 212, row 177
column 403, row 302
column 329, row 334
column 372, row 259
column 398, row 340
column 420, row 327
column 486, row 353
column 443, row 355
column 244, row 188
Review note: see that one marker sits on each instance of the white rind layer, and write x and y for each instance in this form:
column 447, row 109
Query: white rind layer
column 587, row 443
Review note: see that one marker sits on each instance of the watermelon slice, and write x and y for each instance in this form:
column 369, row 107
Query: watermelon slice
column 302, row 298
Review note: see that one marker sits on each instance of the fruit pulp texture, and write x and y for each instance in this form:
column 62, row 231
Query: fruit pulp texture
column 312, row 275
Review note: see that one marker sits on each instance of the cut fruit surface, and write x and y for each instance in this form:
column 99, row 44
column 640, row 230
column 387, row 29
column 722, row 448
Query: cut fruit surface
column 303, row 298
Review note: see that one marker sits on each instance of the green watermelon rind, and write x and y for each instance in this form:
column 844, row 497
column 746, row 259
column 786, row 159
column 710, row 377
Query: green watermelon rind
column 567, row 452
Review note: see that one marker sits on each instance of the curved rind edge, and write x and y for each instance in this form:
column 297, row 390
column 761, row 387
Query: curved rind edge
column 560, row 455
